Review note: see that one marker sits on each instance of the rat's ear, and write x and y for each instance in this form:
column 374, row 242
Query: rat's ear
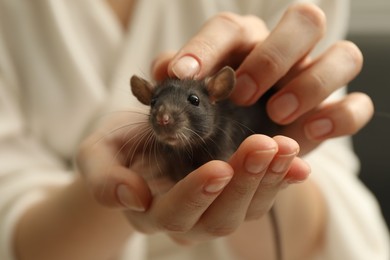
column 221, row 84
column 141, row 89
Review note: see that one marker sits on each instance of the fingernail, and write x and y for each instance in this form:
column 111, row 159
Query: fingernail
column 186, row 67
column 216, row 185
column 284, row 106
column 128, row 198
column 318, row 128
column 294, row 181
column 282, row 163
column 246, row 87
column 257, row 162
column 289, row 182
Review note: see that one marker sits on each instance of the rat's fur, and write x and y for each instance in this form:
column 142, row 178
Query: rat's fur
column 193, row 121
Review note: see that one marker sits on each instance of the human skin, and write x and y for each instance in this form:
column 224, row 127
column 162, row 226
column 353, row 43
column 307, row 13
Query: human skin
column 219, row 198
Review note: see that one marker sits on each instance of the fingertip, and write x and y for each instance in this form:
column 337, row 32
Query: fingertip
column 365, row 102
column 258, row 141
column 299, row 171
column 122, row 188
column 254, row 154
column 312, row 13
column 358, row 109
column 129, row 199
column 187, row 66
column 286, row 145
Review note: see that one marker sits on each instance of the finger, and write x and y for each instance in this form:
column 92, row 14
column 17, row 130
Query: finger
column 179, row 209
column 229, row 209
column 273, row 178
column 332, row 70
column 298, row 172
column 297, row 69
column 224, row 35
column 160, row 65
column 345, row 117
column 332, row 119
column 273, row 58
column 111, row 183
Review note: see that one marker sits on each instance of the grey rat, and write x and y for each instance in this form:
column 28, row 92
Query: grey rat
column 194, row 121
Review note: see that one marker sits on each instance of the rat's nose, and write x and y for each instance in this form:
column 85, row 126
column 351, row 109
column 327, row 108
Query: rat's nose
column 163, row 119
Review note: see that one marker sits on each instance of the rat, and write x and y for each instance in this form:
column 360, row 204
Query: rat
column 193, row 121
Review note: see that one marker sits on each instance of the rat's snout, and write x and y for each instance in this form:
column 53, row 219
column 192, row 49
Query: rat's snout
column 163, row 119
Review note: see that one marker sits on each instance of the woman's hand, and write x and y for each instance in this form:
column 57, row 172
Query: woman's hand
column 280, row 59
column 212, row 201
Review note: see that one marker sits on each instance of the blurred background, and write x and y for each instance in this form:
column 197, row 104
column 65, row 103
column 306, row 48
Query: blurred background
column 370, row 30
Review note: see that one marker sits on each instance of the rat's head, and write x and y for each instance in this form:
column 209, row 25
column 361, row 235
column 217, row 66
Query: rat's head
column 182, row 112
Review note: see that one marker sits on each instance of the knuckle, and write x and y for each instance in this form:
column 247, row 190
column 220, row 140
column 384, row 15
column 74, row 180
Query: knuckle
column 319, row 83
column 168, row 224
column 241, row 25
column 243, row 190
column 273, row 61
column 207, row 49
column 195, row 205
column 255, row 214
column 231, row 19
column 173, row 227
column 220, row 231
column 269, row 184
column 234, row 23
column 311, row 14
column 99, row 194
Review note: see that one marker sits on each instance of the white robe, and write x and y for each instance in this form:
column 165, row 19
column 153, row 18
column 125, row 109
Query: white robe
column 65, row 63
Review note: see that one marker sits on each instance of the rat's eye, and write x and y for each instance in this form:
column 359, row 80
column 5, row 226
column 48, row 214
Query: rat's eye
column 153, row 102
column 193, row 99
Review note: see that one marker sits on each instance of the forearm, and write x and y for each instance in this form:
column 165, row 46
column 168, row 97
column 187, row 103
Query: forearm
column 69, row 224
column 301, row 218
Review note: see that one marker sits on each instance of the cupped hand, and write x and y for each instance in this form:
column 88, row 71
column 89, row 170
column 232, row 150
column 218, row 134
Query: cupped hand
column 280, row 59
column 218, row 197
column 211, row 201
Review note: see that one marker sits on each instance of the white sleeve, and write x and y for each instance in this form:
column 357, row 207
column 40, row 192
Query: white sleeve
column 355, row 226
column 26, row 168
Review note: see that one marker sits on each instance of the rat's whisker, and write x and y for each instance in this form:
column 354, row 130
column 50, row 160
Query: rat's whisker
column 148, row 142
column 139, row 111
column 133, row 124
column 240, row 125
column 140, row 136
column 107, row 171
column 203, row 144
column 188, row 145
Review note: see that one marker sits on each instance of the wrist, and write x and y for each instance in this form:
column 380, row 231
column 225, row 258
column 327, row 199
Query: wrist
column 69, row 224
